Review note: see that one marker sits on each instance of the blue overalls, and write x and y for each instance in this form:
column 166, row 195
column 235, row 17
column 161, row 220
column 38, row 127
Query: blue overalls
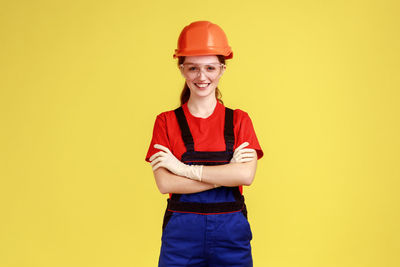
column 208, row 228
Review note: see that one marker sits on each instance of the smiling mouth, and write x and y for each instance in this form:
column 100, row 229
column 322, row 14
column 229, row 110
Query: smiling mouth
column 202, row 85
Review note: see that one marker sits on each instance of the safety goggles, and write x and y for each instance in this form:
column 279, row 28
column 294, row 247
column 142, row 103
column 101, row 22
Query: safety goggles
column 211, row 70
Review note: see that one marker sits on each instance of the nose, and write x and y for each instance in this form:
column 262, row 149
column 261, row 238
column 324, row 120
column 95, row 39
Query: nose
column 201, row 74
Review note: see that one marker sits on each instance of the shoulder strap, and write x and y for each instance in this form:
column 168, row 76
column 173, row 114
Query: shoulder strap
column 228, row 131
column 186, row 135
column 230, row 141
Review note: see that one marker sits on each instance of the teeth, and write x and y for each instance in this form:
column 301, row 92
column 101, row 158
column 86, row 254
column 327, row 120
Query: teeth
column 202, row 85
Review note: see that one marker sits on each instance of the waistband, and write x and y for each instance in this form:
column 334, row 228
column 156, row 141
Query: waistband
column 205, row 208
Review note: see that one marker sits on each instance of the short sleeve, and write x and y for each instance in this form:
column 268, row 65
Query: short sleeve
column 160, row 136
column 245, row 133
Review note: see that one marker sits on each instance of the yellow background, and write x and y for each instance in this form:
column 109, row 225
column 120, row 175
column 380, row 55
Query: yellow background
column 81, row 83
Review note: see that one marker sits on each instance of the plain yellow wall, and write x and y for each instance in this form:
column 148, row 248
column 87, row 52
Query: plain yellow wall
column 81, row 83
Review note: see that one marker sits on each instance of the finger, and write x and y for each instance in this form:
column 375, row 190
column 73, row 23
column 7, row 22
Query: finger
column 156, row 167
column 235, row 152
column 246, row 160
column 246, row 150
column 156, row 155
column 159, row 163
column 162, row 148
column 234, row 155
column 239, row 152
column 157, row 160
column 242, row 145
column 249, row 153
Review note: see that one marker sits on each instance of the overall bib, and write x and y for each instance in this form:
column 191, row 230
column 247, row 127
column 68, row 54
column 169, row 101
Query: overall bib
column 208, row 228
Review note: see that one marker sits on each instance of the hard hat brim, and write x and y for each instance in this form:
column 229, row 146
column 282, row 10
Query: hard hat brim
column 228, row 54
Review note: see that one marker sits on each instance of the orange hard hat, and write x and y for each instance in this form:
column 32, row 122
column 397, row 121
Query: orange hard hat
column 203, row 38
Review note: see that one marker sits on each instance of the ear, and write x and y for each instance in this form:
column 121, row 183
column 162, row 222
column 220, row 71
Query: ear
column 222, row 71
column 180, row 69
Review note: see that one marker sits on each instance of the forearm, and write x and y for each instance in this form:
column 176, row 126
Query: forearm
column 232, row 174
column 168, row 182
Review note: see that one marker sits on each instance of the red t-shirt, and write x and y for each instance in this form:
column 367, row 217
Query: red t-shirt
column 208, row 133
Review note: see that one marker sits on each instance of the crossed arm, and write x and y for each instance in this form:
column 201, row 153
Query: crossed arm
column 232, row 174
column 172, row 176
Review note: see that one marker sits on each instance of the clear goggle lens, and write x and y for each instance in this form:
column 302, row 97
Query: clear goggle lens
column 193, row 70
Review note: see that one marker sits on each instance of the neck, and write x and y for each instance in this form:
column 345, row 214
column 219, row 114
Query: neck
column 203, row 107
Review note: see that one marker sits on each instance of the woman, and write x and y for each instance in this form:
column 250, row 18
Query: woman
column 202, row 153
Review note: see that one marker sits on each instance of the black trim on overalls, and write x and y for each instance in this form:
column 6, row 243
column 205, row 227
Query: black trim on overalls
column 193, row 157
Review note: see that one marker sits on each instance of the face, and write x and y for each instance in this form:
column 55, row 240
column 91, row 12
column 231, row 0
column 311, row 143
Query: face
column 202, row 82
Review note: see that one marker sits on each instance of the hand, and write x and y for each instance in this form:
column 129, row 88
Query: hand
column 166, row 159
column 242, row 154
